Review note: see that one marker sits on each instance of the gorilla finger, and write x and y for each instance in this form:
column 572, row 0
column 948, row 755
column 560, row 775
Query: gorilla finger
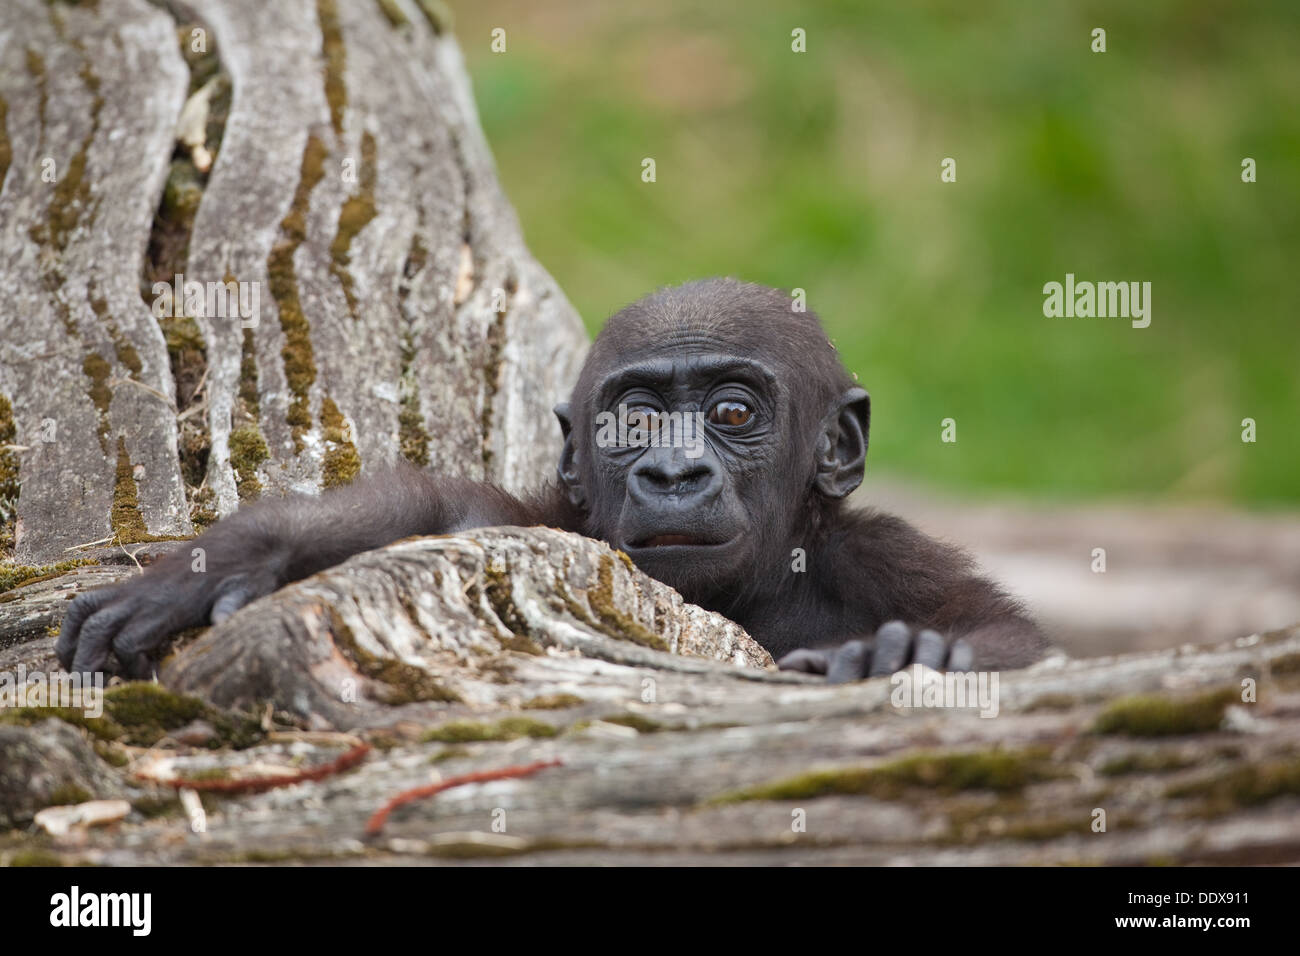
column 96, row 636
column 849, row 662
column 81, row 608
column 232, row 600
column 137, row 666
column 805, row 660
column 931, row 649
column 961, row 657
column 893, row 649
column 150, row 626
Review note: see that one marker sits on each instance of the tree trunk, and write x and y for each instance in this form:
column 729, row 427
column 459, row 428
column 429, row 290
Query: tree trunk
column 351, row 199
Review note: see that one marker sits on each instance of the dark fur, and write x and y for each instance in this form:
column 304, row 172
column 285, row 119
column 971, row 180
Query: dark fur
column 762, row 493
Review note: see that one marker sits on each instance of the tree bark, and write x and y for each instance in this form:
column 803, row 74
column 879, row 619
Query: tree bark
column 351, row 192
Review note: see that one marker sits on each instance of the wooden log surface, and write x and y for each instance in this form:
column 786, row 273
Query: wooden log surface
column 503, row 648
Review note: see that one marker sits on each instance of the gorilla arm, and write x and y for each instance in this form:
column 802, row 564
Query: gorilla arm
column 268, row 544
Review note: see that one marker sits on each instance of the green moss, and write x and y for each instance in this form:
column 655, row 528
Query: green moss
column 495, row 342
column 202, row 514
column 157, row 806
column 412, row 435
column 382, row 741
column 111, row 753
column 1055, row 702
column 340, row 466
column 617, row 623
column 341, row 463
column 146, row 711
column 101, row 396
column 449, row 753
column 637, row 722
column 71, row 198
column 299, row 360
column 521, row 643
column 510, row 728
column 182, row 193
column 69, row 794
column 126, row 354
column 210, row 773
column 1247, row 785
column 10, row 476
column 405, row 682
column 247, row 452
column 1287, row 664
column 16, row 575
column 6, row 151
column 187, row 352
column 127, row 522
column 1049, row 828
column 498, row 592
column 101, row 728
column 554, row 702
column 1139, row 761
column 396, row 15
column 335, row 55
column 194, row 445
column 1159, row 715
column 438, row 14
column 997, row 770
column 354, row 215
column 125, row 518
column 248, row 390
column 141, row 713
column 35, row 64
column 41, row 858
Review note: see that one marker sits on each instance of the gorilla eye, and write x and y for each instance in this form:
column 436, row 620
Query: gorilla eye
column 734, row 414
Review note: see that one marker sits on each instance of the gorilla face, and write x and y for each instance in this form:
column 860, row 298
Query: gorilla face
column 693, row 445
column 681, row 489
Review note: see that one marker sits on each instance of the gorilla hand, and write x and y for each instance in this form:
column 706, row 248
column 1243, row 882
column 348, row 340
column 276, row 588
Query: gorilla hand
column 894, row 647
column 266, row 545
column 205, row 582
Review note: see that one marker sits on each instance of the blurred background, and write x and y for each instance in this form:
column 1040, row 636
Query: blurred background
column 821, row 170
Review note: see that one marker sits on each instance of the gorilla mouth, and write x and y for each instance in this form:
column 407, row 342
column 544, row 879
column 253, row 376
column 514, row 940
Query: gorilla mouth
column 668, row 540
column 676, row 541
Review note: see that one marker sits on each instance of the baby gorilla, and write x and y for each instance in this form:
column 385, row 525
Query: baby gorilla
column 712, row 435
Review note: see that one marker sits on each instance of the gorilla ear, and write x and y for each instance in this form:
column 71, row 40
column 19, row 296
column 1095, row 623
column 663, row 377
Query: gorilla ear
column 842, row 445
column 567, row 468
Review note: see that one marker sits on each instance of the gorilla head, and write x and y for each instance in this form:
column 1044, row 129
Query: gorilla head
column 745, row 432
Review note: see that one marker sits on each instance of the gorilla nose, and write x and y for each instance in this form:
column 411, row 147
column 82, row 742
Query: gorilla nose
column 690, row 481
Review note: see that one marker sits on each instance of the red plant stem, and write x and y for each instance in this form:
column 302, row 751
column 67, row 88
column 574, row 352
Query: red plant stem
column 380, row 817
column 260, row 784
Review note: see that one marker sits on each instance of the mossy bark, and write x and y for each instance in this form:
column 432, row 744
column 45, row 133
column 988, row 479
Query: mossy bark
column 253, row 146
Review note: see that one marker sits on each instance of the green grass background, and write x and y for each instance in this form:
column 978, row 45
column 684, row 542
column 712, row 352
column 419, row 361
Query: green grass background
column 821, row 170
